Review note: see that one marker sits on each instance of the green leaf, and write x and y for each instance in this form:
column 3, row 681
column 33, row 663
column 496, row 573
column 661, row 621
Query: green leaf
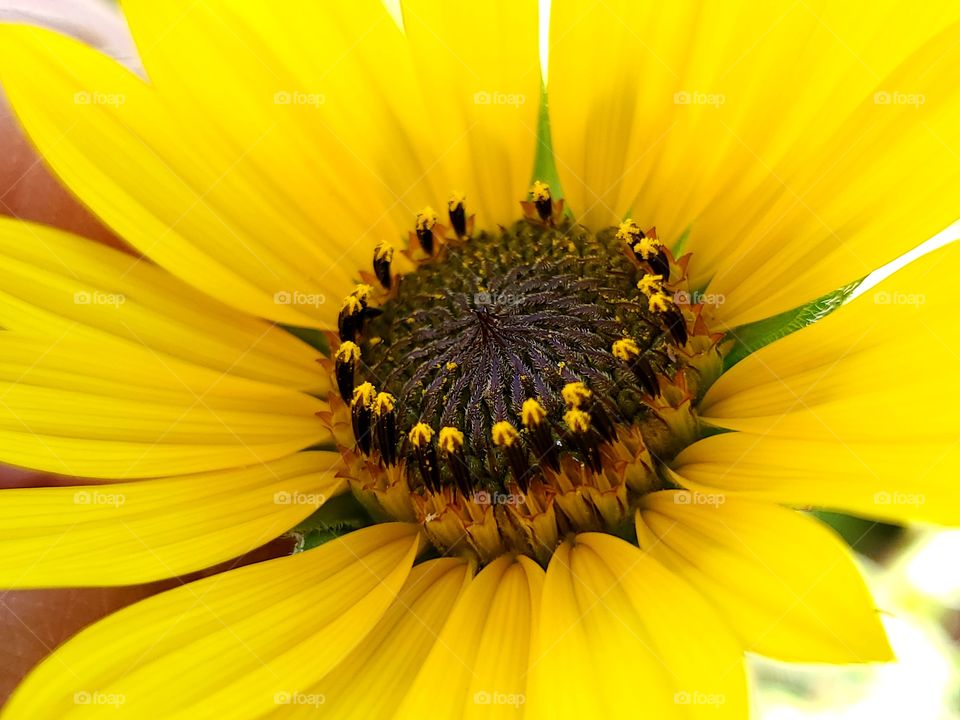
column 753, row 336
column 338, row 516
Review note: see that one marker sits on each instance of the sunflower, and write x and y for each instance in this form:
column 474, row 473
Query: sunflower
column 577, row 410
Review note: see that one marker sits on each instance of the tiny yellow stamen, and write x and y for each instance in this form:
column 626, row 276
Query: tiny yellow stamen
column 504, row 434
column 626, row 349
column 628, row 231
column 540, row 191
column 420, row 435
column 383, row 404
column 363, row 395
column 451, row 366
column 532, row 413
column 457, row 199
column 348, row 352
column 650, row 284
column 383, row 251
column 659, row 302
column 362, row 292
column 427, row 218
column 576, row 394
column 451, row 440
column 352, row 304
column 647, row 247
column 577, row 420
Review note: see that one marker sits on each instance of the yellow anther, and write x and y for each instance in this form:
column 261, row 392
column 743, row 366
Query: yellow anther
column 577, row 420
column 451, row 440
column 451, row 366
column 625, row 349
column 647, row 247
column 420, row 435
column 659, row 302
column 532, row 413
column 383, row 404
column 650, row 284
column 540, row 191
column 362, row 292
column 457, row 199
column 628, row 231
column 363, row 395
column 576, row 394
column 348, row 352
column 504, row 434
column 383, row 251
column 352, row 304
column 427, row 218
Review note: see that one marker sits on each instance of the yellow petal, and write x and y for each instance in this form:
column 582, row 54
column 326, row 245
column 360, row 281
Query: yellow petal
column 671, row 121
column 785, row 583
column 135, row 532
column 909, row 483
column 65, row 410
column 56, row 284
column 303, row 103
column 479, row 69
column 235, row 645
column 855, row 412
column 338, row 105
column 372, row 681
column 114, row 141
column 610, row 116
column 478, row 664
column 621, row 636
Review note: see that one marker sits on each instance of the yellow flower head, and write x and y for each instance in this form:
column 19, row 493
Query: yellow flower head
column 593, row 440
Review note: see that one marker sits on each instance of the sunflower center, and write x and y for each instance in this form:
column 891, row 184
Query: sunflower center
column 518, row 384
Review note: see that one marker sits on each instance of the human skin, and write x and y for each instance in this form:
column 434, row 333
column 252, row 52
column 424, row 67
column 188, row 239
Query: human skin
column 34, row 622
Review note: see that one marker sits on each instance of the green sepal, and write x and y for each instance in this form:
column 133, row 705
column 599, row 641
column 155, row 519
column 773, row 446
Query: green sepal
column 681, row 242
column 544, row 163
column 338, row 516
column 751, row 337
column 311, row 336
